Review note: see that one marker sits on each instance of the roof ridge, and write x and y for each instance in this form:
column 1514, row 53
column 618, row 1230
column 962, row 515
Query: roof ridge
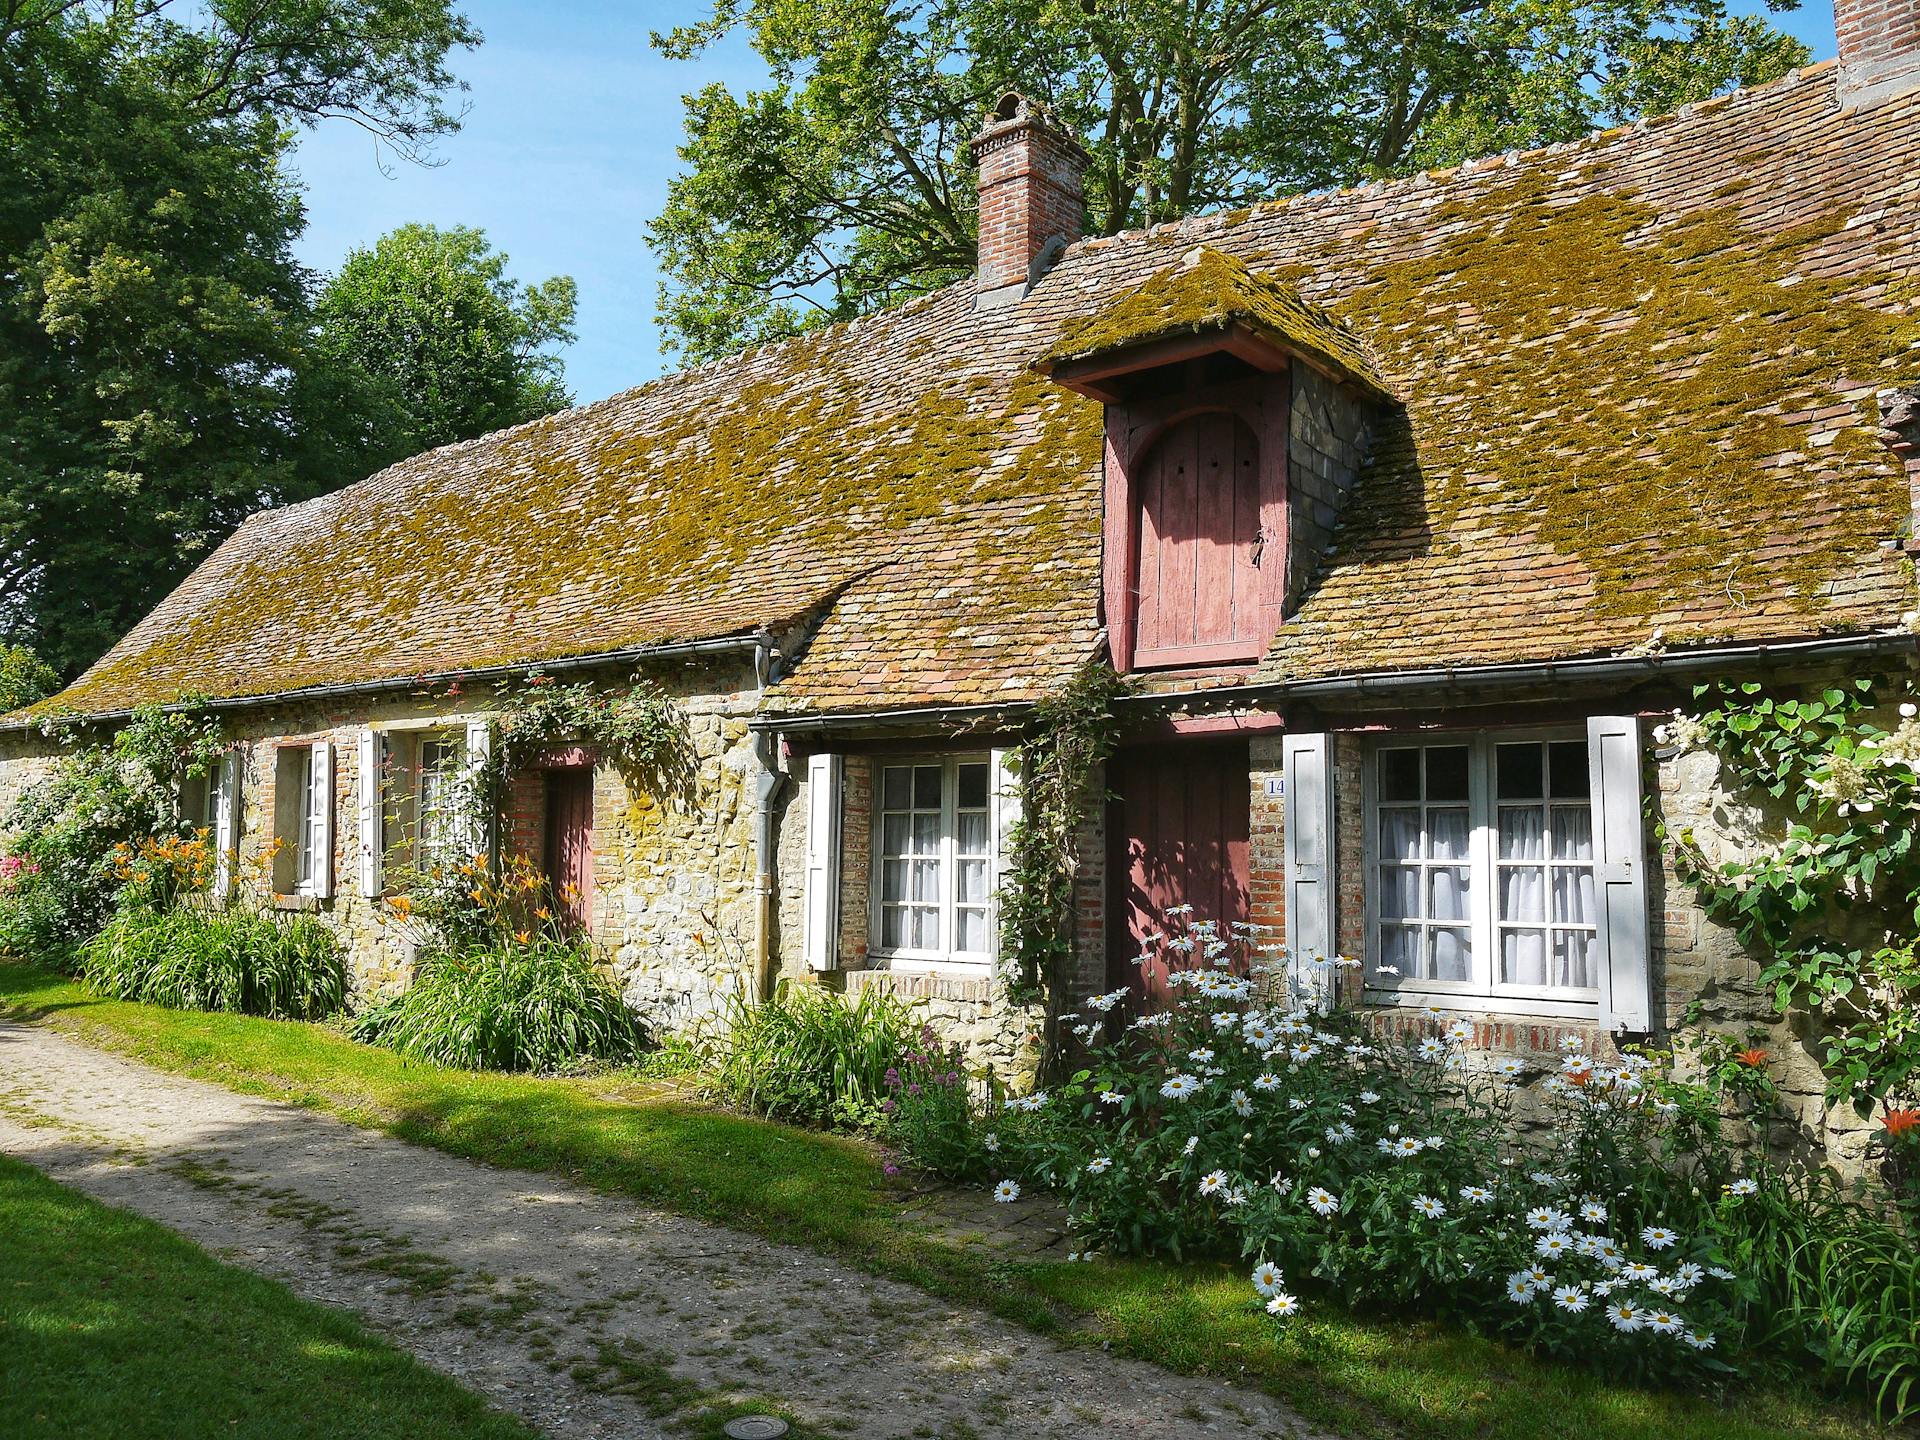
column 1215, row 221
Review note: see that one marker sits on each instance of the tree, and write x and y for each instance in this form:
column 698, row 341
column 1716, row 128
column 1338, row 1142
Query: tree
column 845, row 184
column 152, row 317
column 24, row 678
column 427, row 340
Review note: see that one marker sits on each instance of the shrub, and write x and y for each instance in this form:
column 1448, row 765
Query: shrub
column 283, row 967
column 806, row 1055
column 1626, row 1233
column 541, row 1004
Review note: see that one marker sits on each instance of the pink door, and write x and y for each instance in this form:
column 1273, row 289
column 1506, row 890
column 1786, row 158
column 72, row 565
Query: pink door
column 1198, row 569
column 570, row 842
column 1178, row 836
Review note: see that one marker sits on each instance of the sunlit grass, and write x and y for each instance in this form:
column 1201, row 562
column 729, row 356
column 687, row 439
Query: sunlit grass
column 1361, row 1375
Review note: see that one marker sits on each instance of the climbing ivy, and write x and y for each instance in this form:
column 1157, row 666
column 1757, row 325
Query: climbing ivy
column 639, row 731
column 1829, row 895
column 1068, row 738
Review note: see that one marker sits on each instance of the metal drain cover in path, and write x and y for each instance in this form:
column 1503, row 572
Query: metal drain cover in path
column 756, row 1427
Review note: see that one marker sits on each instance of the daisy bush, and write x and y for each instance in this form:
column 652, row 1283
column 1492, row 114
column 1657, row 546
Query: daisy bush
column 1588, row 1208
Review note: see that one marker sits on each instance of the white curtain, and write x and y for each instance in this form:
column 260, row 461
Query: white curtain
column 1523, row 894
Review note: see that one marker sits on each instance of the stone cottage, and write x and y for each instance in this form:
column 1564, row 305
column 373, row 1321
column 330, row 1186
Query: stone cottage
column 1405, row 507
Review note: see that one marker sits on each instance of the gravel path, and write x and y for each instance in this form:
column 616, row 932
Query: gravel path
column 587, row 1315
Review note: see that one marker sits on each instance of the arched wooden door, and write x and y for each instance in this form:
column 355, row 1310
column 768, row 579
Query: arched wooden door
column 1197, row 568
column 1177, row 835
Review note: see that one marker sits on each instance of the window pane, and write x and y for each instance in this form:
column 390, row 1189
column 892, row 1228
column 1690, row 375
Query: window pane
column 1447, row 832
column 1573, row 896
column 1523, row 894
column 893, row 835
column 973, row 787
column 1572, row 833
column 973, row 832
column 926, row 787
column 926, row 833
column 973, row 882
column 926, row 881
column 1567, row 769
column 1519, row 772
column 896, row 788
column 1447, row 772
column 1572, row 960
column 1399, row 892
column 1399, row 775
column 893, row 927
column 1523, row 832
column 1523, row 957
column 972, row 930
column 1400, row 834
column 1447, row 894
column 925, row 929
column 1400, row 949
column 893, row 883
column 1452, row 954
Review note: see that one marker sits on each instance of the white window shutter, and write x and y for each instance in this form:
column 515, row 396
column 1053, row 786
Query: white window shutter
column 820, row 908
column 1620, row 873
column 1308, row 857
column 479, row 752
column 1006, row 814
column 322, row 838
column 226, row 823
column 373, row 829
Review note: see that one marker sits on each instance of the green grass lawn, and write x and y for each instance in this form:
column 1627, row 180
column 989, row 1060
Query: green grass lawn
column 113, row 1326
column 1364, row 1376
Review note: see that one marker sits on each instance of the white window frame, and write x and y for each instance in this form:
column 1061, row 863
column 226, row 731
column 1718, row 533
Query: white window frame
column 910, row 959
column 1485, row 991
column 446, row 846
column 313, row 826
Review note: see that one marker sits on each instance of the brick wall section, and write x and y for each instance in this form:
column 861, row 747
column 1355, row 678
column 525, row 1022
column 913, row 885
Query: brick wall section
column 1878, row 38
column 1266, row 836
column 523, row 822
column 856, row 861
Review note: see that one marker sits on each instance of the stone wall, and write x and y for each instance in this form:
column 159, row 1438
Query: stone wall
column 1328, row 430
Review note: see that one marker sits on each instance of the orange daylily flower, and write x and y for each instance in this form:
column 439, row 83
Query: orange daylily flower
column 1754, row 1058
column 1899, row 1122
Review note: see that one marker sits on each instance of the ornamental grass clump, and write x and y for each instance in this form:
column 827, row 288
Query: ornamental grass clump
column 1589, row 1208
column 541, row 1004
column 806, row 1055
column 282, row 967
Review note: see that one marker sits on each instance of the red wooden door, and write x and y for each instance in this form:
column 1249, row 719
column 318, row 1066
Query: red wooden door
column 1177, row 836
column 1198, row 570
column 570, row 842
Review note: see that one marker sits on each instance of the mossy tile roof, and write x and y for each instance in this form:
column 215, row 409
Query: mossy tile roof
column 1634, row 385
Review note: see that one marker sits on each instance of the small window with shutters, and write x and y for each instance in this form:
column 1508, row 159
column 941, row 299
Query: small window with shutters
column 934, row 851
column 303, row 820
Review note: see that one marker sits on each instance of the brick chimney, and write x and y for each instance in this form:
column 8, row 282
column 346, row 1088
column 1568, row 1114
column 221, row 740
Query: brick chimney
column 1879, row 48
column 1030, row 197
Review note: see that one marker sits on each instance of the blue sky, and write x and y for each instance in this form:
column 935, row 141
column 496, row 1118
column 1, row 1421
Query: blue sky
column 565, row 155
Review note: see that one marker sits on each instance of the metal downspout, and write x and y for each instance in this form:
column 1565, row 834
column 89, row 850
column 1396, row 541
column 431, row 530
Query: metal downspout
column 766, row 789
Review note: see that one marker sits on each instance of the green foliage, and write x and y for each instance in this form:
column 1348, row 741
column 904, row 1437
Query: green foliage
column 282, row 967
column 538, row 1004
column 152, row 313
column 74, row 832
column 1402, row 1173
column 436, row 343
column 807, row 1056
column 1069, row 737
column 1831, row 895
column 24, row 678
column 641, row 732
column 845, row 185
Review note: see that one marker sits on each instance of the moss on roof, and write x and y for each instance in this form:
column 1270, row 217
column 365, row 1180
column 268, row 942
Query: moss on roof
column 1213, row 291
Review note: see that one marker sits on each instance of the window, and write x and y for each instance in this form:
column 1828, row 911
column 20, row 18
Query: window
column 435, row 802
column 303, row 819
column 1482, row 849
column 934, row 856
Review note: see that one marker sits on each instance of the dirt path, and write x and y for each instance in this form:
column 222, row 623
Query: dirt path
column 587, row 1315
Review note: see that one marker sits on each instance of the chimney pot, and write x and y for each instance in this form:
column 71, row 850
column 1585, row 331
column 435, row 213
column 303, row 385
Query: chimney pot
column 1031, row 196
column 1879, row 49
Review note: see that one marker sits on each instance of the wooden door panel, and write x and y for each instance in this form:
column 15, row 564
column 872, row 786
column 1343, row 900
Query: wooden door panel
column 1178, row 834
column 1199, row 597
column 569, row 859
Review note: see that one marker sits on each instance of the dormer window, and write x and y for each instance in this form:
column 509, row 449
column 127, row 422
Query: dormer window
column 1197, row 368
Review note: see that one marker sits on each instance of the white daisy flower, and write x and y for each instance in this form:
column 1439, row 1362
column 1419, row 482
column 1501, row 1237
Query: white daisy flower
column 1242, row 1105
column 1520, row 1288
column 1322, row 1201
column 1200, row 1056
column 1476, row 1194
column 1664, row 1322
column 1266, row 1278
column 1720, row 1272
column 1294, row 1102
column 1111, row 1097
column 1431, row 1048
column 1367, row 1097
column 1638, row 1270
column 1570, row 1297
column 1593, row 1212
column 1697, row 1341
column 990, row 1143
column 1658, row 1237
column 1743, row 1187
column 1100, row 1164
column 1626, row 1316
column 1266, row 1082
column 1688, row 1275
column 1545, row 1217
column 1340, row 1134
column 1006, row 1192
column 1213, row 1181
column 1556, row 1245
column 1283, row 1306
column 1428, row 1206
column 1193, row 1144
column 1179, row 1087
